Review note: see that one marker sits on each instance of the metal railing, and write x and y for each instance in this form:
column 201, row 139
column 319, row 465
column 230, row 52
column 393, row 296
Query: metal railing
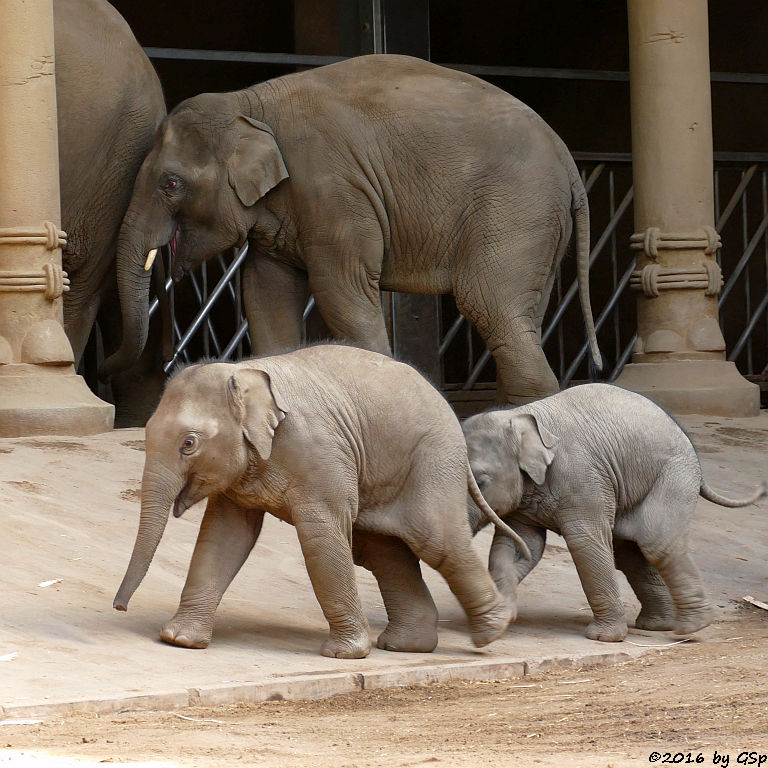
column 209, row 317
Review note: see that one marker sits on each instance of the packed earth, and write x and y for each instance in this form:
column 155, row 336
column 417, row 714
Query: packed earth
column 695, row 702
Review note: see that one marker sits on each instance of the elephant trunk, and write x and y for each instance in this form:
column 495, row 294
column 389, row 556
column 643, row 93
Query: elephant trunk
column 133, row 281
column 158, row 492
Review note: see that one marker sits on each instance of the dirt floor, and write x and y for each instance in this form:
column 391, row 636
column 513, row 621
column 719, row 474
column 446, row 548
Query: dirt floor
column 669, row 706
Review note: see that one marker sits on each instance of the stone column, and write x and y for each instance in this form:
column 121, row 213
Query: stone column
column 679, row 359
column 39, row 390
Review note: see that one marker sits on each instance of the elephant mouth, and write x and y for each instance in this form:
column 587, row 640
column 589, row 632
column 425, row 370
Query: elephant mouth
column 181, row 504
column 178, row 270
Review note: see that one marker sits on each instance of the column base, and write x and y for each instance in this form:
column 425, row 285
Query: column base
column 54, row 400
column 707, row 387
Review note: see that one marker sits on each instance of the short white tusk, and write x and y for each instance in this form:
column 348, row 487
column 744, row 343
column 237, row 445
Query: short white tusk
column 150, row 259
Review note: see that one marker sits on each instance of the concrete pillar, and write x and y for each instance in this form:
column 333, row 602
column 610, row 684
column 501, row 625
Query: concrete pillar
column 39, row 390
column 679, row 359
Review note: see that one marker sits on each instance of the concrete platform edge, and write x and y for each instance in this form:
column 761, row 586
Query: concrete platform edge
column 309, row 687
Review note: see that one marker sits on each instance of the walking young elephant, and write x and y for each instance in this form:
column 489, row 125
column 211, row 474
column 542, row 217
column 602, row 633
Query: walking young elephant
column 379, row 172
column 357, row 451
column 618, row 478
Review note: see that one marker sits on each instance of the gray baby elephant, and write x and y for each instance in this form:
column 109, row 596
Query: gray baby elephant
column 360, row 453
column 618, row 478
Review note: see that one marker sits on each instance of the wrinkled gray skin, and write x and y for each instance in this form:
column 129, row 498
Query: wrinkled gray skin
column 380, row 172
column 618, row 478
column 357, row 451
column 109, row 104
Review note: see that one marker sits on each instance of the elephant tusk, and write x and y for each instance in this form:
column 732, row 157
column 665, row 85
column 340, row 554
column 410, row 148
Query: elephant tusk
column 150, row 259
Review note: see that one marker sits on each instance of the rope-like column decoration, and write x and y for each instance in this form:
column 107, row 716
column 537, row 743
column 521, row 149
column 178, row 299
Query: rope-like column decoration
column 48, row 235
column 654, row 277
column 51, row 280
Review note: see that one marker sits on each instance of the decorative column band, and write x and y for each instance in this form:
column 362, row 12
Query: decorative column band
column 653, row 240
column 653, row 278
column 51, row 280
column 48, row 235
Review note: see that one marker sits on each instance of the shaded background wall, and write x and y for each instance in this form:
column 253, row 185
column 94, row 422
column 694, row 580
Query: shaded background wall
column 576, row 34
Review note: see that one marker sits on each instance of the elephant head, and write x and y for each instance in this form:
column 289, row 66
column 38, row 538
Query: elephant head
column 200, row 441
column 501, row 446
column 197, row 189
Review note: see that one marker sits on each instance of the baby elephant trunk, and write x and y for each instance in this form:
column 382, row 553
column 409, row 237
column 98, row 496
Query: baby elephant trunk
column 157, row 496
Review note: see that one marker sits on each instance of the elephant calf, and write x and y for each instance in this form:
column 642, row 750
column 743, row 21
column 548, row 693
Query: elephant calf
column 358, row 452
column 618, row 478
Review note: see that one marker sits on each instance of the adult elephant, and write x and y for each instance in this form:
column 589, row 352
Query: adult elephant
column 379, row 172
column 110, row 104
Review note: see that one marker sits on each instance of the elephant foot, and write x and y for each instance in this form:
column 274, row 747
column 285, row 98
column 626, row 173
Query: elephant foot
column 408, row 639
column 186, row 634
column 509, row 592
column 492, row 624
column 354, row 646
column 606, row 631
column 655, row 622
column 693, row 620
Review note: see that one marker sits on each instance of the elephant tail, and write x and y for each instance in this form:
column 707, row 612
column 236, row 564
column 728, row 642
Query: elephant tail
column 724, row 501
column 580, row 212
column 479, row 499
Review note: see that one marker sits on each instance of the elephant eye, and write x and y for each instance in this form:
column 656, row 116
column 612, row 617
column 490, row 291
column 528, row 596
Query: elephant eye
column 170, row 183
column 189, row 444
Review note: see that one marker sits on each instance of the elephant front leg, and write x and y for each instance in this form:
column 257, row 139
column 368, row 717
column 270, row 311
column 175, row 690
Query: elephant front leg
column 227, row 535
column 326, row 543
column 275, row 295
column 590, row 544
column 411, row 611
column 507, row 567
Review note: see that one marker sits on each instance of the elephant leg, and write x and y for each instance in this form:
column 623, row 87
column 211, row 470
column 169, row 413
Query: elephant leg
column 349, row 301
column 507, row 321
column 663, row 540
column 507, row 567
column 411, row 611
column 227, row 535
column 275, row 295
column 326, row 544
column 449, row 550
column 590, row 541
column 657, row 610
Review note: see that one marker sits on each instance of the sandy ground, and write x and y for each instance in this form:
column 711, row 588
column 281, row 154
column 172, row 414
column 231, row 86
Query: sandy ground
column 68, row 509
column 695, row 698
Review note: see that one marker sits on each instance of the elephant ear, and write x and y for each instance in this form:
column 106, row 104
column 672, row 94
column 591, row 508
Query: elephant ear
column 257, row 406
column 535, row 444
column 256, row 164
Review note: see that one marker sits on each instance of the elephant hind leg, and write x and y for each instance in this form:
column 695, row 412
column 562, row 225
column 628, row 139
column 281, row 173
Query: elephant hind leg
column 507, row 320
column 657, row 609
column 446, row 546
column 410, row 609
column 663, row 540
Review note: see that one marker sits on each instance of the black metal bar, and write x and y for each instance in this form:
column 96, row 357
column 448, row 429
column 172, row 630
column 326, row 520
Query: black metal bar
column 747, row 333
column 735, row 197
column 205, row 310
column 244, row 57
column 595, row 253
column 760, row 232
column 621, row 362
column 599, row 323
column 546, row 73
column 451, row 335
column 234, row 341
